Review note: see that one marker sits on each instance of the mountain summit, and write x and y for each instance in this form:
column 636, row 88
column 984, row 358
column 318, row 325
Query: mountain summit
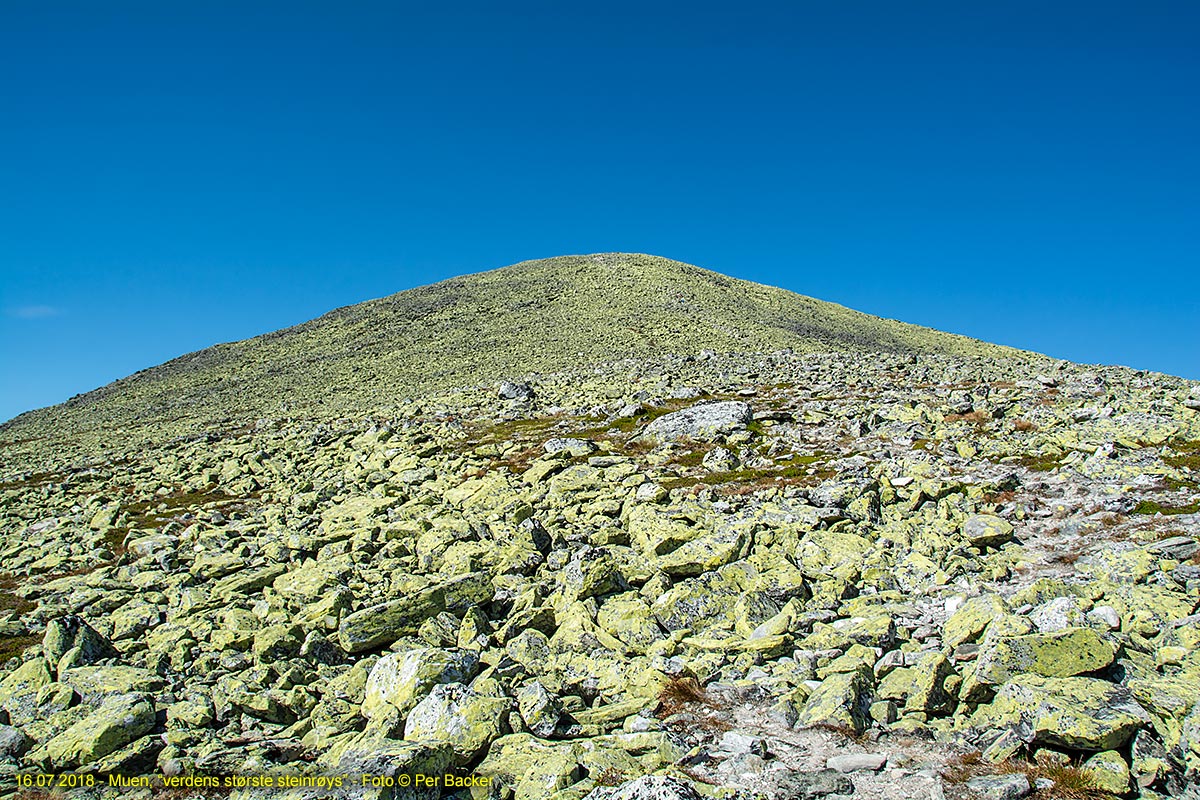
column 535, row 316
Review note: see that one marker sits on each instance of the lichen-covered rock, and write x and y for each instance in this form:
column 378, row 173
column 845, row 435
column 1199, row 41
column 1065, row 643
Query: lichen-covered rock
column 705, row 553
column 647, row 787
column 384, row 623
column 465, row 719
column 1080, row 713
column 999, row 787
column 1072, row 651
column 96, row 683
column 696, row 603
column 703, row 421
column 374, row 755
column 654, row 531
column 13, row 742
column 72, row 632
column 19, row 690
column 628, row 618
column 986, row 530
column 1108, row 772
column 117, row 722
column 842, row 700
column 972, row 618
column 921, row 686
column 399, row 681
column 539, row 709
column 277, row 642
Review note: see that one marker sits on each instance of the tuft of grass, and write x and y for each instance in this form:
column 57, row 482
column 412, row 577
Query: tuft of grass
column 975, row 417
column 1071, row 782
column 1024, row 425
column 1150, row 508
column 1040, row 462
column 681, row 694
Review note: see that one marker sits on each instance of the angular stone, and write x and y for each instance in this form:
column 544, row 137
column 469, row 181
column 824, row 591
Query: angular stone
column 703, row 421
column 704, row 553
column 856, row 762
column 1068, row 652
column 400, row 680
column 1079, row 713
column 572, row 447
column 1109, row 772
column 118, row 721
column 1000, row 787
column 455, row 714
column 647, row 787
column 71, row 632
column 972, row 618
column 842, row 700
column 986, row 530
column 539, row 709
column 383, row 624
column 277, row 642
column 654, row 531
column 19, row 690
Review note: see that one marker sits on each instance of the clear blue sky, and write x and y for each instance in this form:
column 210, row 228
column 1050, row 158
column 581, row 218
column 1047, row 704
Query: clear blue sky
column 176, row 174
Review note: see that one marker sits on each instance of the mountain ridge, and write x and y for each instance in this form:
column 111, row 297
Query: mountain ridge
column 535, row 316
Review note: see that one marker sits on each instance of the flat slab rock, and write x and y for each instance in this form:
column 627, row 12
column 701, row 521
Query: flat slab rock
column 703, row 421
column 856, row 762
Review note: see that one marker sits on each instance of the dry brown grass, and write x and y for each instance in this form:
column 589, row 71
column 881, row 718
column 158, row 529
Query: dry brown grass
column 976, row 417
column 1070, row 782
column 1067, row 558
column 682, row 694
column 1024, row 425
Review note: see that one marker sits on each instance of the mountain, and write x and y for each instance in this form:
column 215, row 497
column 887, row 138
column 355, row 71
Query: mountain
column 640, row 575
column 535, row 316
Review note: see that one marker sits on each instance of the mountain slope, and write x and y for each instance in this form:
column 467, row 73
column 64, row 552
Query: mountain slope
column 536, row 316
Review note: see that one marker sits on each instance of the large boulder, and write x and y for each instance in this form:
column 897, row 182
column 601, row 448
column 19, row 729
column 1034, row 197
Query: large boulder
column 72, row 634
column 1072, row 651
column 399, row 681
column 1079, row 713
column 19, row 690
column 118, row 721
column 704, row 421
column 452, row 713
column 843, row 700
column 384, row 623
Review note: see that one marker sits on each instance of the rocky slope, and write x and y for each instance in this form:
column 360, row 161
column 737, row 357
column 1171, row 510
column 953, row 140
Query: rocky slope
column 537, row 316
column 774, row 575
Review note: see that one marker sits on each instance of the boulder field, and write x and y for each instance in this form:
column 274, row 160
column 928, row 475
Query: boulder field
column 770, row 575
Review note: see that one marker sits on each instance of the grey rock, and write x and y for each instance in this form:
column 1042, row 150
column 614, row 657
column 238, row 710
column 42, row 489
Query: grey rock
column 855, row 762
column 573, row 447
column 1000, row 787
column 13, row 742
column 810, row 785
column 704, row 421
column 986, row 530
column 737, row 742
column 515, row 391
column 647, row 787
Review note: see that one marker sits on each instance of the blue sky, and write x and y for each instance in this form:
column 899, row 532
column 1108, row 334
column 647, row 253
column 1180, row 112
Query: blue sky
column 180, row 174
